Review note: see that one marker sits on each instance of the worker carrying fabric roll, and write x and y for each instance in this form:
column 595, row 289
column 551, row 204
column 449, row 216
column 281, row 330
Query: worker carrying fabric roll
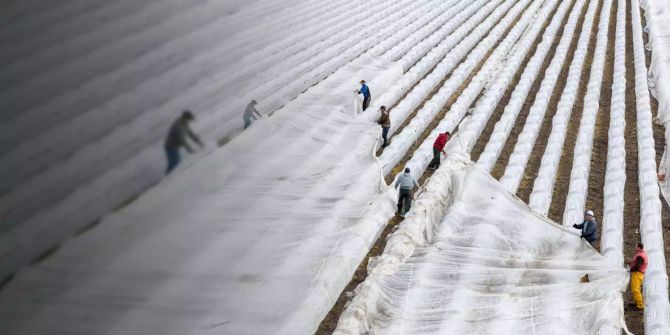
column 407, row 183
column 438, row 147
column 637, row 268
column 176, row 139
column 589, row 228
column 365, row 90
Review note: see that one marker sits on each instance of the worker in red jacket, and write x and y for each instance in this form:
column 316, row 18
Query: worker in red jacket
column 637, row 268
column 438, row 147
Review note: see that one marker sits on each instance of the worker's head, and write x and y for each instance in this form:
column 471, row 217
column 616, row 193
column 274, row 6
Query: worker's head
column 640, row 246
column 362, row 82
column 447, row 133
column 588, row 215
column 406, row 170
column 253, row 102
column 187, row 116
column 382, row 108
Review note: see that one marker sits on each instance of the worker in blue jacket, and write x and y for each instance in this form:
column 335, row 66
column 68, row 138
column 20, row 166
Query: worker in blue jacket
column 589, row 228
column 365, row 90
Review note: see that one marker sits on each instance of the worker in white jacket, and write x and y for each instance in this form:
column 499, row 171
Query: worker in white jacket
column 406, row 183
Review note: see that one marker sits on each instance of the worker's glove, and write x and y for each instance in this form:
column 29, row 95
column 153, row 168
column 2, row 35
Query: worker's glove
column 574, row 225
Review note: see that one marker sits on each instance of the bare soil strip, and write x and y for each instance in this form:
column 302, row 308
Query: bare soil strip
column 526, row 184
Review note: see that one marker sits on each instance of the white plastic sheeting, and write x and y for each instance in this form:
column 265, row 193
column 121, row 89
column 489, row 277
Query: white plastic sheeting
column 526, row 140
column 410, row 133
column 657, row 15
column 246, row 241
column 100, row 175
column 426, row 37
column 483, row 20
column 540, row 198
column 419, row 70
column 472, row 127
column 454, row 268
column 657, row 310
column 532, row 69
column 581, row 161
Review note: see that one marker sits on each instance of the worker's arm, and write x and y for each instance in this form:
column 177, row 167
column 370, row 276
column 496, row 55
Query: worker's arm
column 415, row 183
column 193, row 136
column 578, row 225
column 397, row 182
column 255, row 111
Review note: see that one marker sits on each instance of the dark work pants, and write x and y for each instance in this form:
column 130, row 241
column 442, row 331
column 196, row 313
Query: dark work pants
column 404, row 196
column 366, row 102
column 436, row 159
column 247, row 122
column 173, row 158
column 385, row 132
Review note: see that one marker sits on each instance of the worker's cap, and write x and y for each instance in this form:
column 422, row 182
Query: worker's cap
column 362, row 81
column 187, row 115
column 407, row 169
column 254, row 101
column 382, row 108
column 589, row 213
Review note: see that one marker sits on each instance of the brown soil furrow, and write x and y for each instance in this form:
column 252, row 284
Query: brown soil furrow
column 533, row 166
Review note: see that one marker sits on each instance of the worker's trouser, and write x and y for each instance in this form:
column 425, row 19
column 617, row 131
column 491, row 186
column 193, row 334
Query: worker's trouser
column 247, row 122
column 636, row 279
column 435, row 163
column 404, row 197
column 385, row 133
column 173, row 158
column 366, row 102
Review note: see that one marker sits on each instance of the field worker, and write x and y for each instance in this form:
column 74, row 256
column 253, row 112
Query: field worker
column 637, row 268
column 365, row 90
column 250, row 112
column 176, row 139
column 589, row 228
column 385, row 122
column 406, row 183
column 438, row 147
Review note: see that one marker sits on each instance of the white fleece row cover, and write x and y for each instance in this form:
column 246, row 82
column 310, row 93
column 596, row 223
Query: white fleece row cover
column 470, row 258
column 259, row 237
column 657, row 15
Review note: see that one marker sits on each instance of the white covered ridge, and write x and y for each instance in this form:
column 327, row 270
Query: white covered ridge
column 259, row 237
column 470, row 258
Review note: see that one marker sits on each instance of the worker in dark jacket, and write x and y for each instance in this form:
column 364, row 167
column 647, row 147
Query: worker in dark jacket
column 406, row 183
column 438, row 147
column 589, row 228
column 637, row 268
column 249, row 113
column 365, row 90
column 176, row 139
column 385, row 122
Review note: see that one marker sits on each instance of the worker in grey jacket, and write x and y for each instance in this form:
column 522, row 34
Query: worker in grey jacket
column 176, row 139
column 406, row 183
column 249, row 113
